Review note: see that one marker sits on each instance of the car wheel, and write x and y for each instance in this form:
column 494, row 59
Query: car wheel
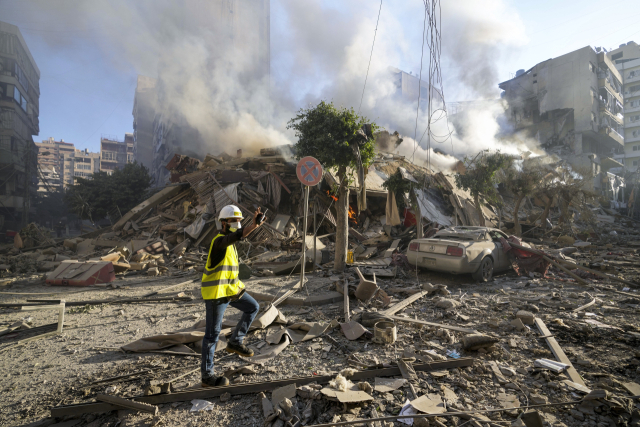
column 485, row 272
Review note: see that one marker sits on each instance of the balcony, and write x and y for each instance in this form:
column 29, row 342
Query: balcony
column 635, row 78
column 604, row 83
column 618, row 118
column 611, row 133
column 632, row 123
column 629, row 109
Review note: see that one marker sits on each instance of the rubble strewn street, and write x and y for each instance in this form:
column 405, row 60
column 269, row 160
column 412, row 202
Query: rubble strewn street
column 564, row 344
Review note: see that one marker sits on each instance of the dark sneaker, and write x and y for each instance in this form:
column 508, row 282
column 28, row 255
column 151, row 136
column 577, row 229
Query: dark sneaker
column 240, row 349
column 215, row 381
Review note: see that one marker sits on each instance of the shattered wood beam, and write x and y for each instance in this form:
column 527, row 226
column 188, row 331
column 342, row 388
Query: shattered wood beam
column 106, row 301
column 437, row 325
column 558, row 352
column 566, row 270
column 281, row 182
column 148, row 204
column 404, row 303
column 598, row 273
column 169, row 288
column 129, row 404
column 251, row 388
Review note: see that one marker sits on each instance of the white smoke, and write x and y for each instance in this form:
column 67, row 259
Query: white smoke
column 319, row 51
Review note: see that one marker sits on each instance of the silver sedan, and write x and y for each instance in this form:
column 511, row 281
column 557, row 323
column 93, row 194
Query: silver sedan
column 461, row 250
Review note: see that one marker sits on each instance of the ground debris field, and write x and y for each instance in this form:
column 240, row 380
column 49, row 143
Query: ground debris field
column 550, row 338
column 601, row 341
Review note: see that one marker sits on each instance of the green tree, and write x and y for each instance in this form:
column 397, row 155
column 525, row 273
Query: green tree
column 522, row 182
column 481, row 177
column 94, row 198
column 336, row 137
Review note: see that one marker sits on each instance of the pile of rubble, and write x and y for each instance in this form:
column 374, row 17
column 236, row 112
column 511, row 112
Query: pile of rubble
column 381, row 344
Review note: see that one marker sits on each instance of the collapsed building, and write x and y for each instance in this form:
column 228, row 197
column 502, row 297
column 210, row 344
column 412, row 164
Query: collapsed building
column 572, row 106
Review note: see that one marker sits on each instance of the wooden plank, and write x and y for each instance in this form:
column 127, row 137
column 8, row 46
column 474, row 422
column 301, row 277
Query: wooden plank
column 252, row 388
column 557, row 351
column 437, row 325
column 402, row 304
column 129, row 404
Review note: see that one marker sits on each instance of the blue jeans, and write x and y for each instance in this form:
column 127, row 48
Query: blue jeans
column 215, row 312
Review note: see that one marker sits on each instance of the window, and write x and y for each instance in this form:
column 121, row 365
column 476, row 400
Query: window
column 634, row 118
column 108, row 155
column 635, row 163
column 21, row 100
column 22, row 77
column 616, row 56
column 634, row 88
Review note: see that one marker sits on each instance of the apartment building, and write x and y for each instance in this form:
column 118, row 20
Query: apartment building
column 83, row 164
column 19, row 110
column 627, row 60
column 52, row 155
column 49, row 180
column 115, row 153
column 144, row 109
column 572, row 105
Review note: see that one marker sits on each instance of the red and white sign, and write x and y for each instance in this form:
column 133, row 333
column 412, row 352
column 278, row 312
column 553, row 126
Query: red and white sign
column 309, row 171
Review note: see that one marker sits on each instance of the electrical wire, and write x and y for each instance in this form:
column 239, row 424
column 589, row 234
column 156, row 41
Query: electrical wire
column 370, row 56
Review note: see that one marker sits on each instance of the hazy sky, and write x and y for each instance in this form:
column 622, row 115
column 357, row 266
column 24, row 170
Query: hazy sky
column 86, row 94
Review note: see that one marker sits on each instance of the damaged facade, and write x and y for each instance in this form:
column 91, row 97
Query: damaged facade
column 573, row 106
column 19, row 110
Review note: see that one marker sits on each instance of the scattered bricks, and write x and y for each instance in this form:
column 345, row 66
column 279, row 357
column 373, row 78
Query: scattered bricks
column 153, row 271
column 526, row 316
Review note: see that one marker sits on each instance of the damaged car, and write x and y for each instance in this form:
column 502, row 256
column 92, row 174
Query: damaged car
column 461, row 250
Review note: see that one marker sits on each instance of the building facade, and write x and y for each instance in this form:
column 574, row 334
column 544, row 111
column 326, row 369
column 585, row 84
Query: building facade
column 572, row 105
column 66, row 160
column 52, row 154
column 115, row 153
column 627, row 61
column 19, row 110
column 144, row 109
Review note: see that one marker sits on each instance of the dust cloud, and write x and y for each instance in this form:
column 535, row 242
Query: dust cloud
column 218, row 78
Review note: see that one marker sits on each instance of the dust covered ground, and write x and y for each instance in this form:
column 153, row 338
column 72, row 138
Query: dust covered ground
column 602, row 341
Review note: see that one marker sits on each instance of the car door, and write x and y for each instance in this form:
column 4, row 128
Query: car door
column 501, row 258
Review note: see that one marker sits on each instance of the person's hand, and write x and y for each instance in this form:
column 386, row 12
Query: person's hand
column 255, row 218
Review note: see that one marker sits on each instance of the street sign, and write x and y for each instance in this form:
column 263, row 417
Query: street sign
column 309, row 171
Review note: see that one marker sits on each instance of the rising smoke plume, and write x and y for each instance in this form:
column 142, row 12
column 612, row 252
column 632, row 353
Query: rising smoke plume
column 318, row 51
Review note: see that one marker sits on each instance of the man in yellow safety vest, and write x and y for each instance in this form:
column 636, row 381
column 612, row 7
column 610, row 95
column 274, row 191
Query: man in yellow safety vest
column 221, row 287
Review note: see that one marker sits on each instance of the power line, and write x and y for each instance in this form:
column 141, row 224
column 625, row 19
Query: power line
column 370, row 56
column 415, row 130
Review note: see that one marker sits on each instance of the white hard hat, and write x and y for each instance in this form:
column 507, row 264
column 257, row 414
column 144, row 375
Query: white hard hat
column 230, row 211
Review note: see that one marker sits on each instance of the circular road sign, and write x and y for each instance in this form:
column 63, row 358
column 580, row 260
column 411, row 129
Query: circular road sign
column 309, row 171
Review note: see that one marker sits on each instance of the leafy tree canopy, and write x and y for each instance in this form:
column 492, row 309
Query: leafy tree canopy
column 329, row 133
column 481, row 175
column 94, row 198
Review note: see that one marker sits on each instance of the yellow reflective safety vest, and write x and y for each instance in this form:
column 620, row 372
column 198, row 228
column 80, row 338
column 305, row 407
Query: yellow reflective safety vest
column 221, row 281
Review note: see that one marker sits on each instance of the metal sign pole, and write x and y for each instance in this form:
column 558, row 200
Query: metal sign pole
column 315, row 231
column 304, row 234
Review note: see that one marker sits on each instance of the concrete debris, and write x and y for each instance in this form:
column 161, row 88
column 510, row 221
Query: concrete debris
column 557, row 327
